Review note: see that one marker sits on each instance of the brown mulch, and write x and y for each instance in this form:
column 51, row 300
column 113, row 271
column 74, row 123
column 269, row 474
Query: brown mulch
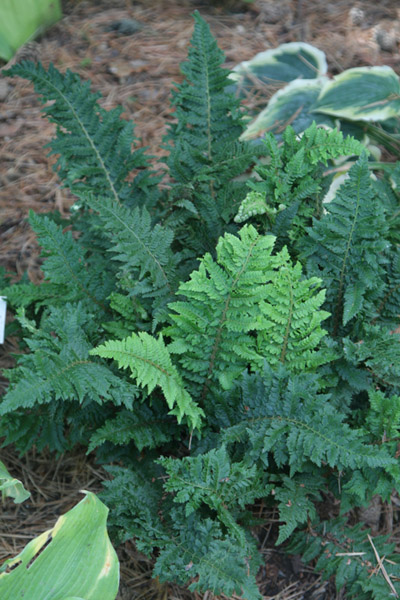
column 138, row 71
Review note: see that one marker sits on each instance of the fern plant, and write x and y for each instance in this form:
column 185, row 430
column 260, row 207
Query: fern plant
column 212, row 364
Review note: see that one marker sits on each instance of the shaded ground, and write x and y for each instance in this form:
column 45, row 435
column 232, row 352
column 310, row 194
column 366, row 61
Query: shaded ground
column 137, row 71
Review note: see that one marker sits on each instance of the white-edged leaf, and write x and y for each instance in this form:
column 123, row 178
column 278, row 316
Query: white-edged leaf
column 296, row 60
column 362, row 94
column 290, row 106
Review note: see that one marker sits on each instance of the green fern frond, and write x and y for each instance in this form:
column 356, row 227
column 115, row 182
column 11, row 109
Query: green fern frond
column 191, row 550
column 212, row 479
column 59, row 367
column 206, row 115
column 221, row 307
column 204, row 148
column 149, row 362
column 142, row 425
column 143, row 250
column 94, row 145
column 254, row 204
column 297, row 424
column 246, row 307
column 292, row 174
column 296, row 497
column 291, row 331
column 345, row 247
column 66, row 266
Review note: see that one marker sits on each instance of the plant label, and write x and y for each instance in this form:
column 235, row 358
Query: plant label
column 3, row 312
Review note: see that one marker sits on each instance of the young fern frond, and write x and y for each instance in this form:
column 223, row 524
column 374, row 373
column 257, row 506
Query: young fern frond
column 237, row 313
column 293, row 176
column 149, row 362
column 291, row 331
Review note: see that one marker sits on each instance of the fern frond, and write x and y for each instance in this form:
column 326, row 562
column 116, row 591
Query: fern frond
column 297, row 425
column 142, row 425
column 149, row 362
column 59, row 368
column 191, row 550
column 296, row 497
column 213, row 480
column 346, row 245
column 198, row 553
column 66, row 268
column 206, row 115
column 204, row 148
column 293, row 175
column 94, row 145
column 237, row 313
column 142, row 250
column 291, row 319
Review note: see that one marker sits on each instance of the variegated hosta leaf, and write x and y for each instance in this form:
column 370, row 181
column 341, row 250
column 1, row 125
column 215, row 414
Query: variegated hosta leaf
column 73, row 560
column 296, row 60
column 293, row 106
column 362, row 94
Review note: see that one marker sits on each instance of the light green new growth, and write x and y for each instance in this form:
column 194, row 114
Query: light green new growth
column 150, row 363
column 247, row 307
column 254, row 204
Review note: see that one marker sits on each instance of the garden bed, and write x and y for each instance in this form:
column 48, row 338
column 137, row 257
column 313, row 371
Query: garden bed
column 137, row 71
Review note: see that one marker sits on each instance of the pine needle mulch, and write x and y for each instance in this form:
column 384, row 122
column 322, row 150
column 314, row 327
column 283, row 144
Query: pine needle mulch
column 138, row 71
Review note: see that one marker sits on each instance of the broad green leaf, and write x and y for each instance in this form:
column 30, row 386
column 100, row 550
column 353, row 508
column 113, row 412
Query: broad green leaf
column 11, row 487
column 22, row 20
column 361, row 94
column 6, row 51
column 74, row 560
column 290, row 106
column 296, row 60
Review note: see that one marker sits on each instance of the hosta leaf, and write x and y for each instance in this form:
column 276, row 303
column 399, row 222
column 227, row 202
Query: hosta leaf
column 74, row 557
column 283, row 64
column 291, row 105
column 362, row 94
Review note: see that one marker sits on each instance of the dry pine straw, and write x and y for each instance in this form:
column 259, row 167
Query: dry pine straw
column 138, row 72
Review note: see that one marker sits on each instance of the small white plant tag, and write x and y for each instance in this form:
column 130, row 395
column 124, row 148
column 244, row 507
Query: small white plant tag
column 3, row 312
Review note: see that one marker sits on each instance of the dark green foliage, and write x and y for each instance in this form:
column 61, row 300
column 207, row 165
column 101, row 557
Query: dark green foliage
column 93, row 144
column 348, row 552
column 216, row 366
column 204, row 151
column 346, row 247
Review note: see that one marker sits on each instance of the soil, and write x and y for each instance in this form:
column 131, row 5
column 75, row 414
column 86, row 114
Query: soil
column 136, row 65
